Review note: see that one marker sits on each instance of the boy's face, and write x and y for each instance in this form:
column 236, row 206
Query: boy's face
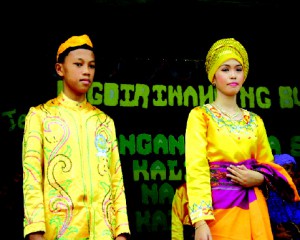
column 77, row 72
column 289, row 168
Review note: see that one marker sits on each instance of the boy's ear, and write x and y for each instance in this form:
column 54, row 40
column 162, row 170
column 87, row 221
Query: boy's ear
column 58, row 68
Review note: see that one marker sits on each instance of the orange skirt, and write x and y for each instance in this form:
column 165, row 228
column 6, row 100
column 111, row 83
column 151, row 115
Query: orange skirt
column 237, row 223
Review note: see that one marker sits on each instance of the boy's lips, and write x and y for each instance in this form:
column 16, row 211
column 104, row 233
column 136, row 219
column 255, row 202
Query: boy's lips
column 85, row 81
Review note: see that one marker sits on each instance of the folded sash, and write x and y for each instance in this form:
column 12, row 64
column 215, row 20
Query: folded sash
column 227, row 194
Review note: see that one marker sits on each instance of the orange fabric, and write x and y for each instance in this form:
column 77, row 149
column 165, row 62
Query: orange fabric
column 225, row 225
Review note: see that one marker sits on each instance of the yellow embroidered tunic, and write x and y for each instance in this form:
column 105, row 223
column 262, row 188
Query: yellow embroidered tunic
column 213, row 142
column 72, row 177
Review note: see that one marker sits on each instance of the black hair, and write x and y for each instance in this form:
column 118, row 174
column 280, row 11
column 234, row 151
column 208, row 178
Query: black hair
column 61, row 57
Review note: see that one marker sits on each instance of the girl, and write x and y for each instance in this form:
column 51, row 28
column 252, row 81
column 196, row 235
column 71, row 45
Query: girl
column 229, row 161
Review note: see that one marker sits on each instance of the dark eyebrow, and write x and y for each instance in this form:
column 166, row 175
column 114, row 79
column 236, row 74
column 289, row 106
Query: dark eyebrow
column 227, row 65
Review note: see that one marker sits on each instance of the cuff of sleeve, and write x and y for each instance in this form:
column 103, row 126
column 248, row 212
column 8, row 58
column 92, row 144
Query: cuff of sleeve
column 34, row 227
column 123, row 230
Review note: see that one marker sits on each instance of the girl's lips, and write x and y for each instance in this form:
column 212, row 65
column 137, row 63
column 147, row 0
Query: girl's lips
column 233, row 84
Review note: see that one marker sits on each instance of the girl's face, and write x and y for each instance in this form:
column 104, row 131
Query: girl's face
column 289, row 168
column 229, row 77
column 77, row 71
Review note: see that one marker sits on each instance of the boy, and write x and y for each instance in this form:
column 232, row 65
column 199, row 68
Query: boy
column 72, row 177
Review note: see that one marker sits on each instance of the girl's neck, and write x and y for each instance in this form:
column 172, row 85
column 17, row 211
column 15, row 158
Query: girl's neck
column 228, row 104
column 228, row 107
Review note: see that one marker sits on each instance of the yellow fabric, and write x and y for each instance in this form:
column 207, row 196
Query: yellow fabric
column 82, row 195
column 223, row 50
column 74, row 41
column 210, row 137
column 180, row 214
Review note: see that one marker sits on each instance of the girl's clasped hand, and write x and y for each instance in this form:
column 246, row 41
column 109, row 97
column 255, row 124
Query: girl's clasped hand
column 244, row 176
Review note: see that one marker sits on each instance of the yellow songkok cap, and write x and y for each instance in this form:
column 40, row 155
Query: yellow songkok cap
column 74, row 42
column 223, row 50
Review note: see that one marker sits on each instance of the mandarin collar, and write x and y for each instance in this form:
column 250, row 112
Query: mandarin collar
column 66, row 101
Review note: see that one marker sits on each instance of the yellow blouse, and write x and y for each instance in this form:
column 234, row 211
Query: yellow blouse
column 211, row 137
column 72, row 177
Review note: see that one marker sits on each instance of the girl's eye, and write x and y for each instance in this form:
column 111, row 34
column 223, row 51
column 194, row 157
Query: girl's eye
column 78, row 64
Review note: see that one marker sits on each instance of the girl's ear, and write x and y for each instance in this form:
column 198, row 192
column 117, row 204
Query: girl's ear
column 58, row 68
column 213, row 81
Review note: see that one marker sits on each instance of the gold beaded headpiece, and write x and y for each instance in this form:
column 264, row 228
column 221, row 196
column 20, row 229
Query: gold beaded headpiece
column 74, row 42
column 223, row 50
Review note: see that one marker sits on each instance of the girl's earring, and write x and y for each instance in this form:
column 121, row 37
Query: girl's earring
column 214, row 84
